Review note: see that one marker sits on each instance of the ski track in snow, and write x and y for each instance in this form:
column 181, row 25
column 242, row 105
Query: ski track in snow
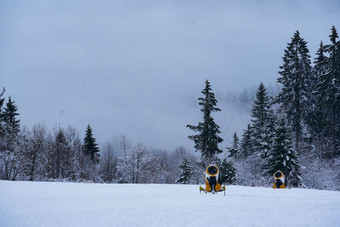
column 82, row 204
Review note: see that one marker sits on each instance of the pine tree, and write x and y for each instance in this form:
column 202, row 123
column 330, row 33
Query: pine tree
column 318, row 111
column 261, row 107
column 10, row 140
column 10, row 117
column 234, row 149
column 262, row 122
column 227, row 172
column 329, row 90
column 247, row 146
column 295, row 78
column 185, row 172
column 90, row 148
column 282, row 156
column 2, row 122
column 207, row 140
column 2, row 101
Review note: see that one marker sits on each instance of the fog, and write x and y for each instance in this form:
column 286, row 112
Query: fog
column 136, row 68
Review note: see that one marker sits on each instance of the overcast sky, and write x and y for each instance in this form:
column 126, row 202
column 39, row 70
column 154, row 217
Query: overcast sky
column 134, row 67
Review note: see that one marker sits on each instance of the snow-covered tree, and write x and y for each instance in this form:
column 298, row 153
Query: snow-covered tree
column 207, row 139
column 2, row 135
column 247, row 145
column 34, row 153
column 10, row 151
column 141, row 167
column 108, row 164
column 234, row 150
column 282, row 156
column 262, row 122
column 177, row 156
column 10, row 116
column 227, row 172
column 329, row 90
column 60, row 150
column 317, row 120
column 185, row 172
column 73, row 155
column 295, row 78
column 2, row 121
column 261, row 108
column 90, row 147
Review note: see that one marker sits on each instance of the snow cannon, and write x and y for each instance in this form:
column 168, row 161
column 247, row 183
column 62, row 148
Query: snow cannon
column 279, row 180
column 212, row 180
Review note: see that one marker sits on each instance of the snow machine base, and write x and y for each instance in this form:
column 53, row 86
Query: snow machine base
column 223, row 189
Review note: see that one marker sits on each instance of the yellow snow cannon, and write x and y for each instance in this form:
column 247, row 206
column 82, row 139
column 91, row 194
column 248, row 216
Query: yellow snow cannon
column 212, row 180
column 279, row 180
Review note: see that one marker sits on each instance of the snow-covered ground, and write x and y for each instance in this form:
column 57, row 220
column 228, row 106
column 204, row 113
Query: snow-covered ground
column 80, row 204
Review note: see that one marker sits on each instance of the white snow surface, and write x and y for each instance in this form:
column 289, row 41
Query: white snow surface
column 87, row 204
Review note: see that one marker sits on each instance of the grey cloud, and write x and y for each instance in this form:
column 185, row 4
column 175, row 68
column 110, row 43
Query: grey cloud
column 134, row 67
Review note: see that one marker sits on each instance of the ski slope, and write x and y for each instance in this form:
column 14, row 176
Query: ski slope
column 81, row 204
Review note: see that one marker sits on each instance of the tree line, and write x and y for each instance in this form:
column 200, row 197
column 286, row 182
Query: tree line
column 296, row 131
column 39, row 154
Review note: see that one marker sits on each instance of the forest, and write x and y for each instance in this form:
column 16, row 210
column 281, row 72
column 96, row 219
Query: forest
column 295, row 130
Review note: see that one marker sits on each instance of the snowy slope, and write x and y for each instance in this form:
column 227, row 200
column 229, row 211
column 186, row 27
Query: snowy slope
column 80, row 204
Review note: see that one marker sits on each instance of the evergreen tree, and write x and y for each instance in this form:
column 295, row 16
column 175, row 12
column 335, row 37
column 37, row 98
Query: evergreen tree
column 2, row 122
column 282, row 156
column 90, row 148
column 247, row 147
column 2, row 101
column 10, row 140
column 295, row 78
column 329, row 90
column 185, row 172
column 207, row 140
column 60, row 148
column 318, row 113
column 234, row 149
column 10, row 117
column 261, row 108
column 320, row 61
column 262, row 122
column 227, row 172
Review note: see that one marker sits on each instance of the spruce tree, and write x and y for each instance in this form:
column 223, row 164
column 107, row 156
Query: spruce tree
column 227, row 172
column 11, row 125
column 2, row 121
column 318, row 113
column 282, row 156
column 262, row 122
column 10, row 117
column 10, row 152
column 330, row 90
column 295, row 78
column 90, row 148
column 185, row 172
column 261, row 107
column 234, row 149
column 247, row 146
column 2, row 101
column 207, row 139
